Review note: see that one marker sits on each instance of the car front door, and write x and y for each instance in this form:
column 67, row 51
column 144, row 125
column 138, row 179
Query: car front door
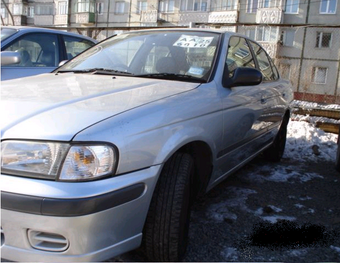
column 39, row 54
column 244, row 127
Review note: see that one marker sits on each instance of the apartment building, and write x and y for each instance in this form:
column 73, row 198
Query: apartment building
column 303, row 36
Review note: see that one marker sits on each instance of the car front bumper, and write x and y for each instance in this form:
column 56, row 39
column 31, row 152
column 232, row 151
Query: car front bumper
column 84, row 221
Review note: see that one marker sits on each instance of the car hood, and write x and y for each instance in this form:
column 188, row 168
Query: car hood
column 57, row 107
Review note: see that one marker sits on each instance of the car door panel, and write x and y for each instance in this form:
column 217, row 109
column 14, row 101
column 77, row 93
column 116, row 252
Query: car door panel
column 11, row 72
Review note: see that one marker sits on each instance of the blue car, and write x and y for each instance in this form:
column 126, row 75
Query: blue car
column 27, row 51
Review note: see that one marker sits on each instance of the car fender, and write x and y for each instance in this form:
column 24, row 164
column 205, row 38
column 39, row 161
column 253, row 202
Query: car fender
column 149, row 135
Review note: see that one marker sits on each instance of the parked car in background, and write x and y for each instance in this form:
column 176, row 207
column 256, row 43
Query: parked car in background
column 337, row 160
column 140, row 125
column 27, row 51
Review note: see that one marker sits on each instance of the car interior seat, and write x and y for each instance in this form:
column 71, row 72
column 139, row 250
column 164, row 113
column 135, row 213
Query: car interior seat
column 166, row 65
column 25, row 59
column 48, row 58
column 181, row 59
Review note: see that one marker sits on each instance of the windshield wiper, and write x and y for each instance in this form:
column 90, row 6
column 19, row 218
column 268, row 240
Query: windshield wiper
column 171, row 76
column 102, row 71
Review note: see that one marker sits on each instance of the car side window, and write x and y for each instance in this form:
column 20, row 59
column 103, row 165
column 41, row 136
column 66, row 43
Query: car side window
column 265, row 63
column 75, row 45
column 37, row 50
column 239, row 55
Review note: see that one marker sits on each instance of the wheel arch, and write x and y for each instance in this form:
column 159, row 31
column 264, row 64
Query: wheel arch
column 202, row 155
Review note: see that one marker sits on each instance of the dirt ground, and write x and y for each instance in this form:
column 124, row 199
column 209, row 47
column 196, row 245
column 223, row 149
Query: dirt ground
column 287, row 211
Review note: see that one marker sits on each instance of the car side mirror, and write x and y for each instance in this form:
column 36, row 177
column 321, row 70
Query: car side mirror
column 10, row 57
column 245, row 77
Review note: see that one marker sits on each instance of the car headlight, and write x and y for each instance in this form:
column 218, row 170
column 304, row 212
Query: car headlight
column 59, row 161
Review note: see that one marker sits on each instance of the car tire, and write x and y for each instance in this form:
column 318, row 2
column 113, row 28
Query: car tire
column 337, row 159
column 275, row 152
column 167, row 225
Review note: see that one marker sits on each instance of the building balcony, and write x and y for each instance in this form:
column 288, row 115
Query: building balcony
column 86, row 18
column 60, row 20
column 43, row 20
column 270, row 47
column 149, row 16
column 269, row 16
column 20, row 20
column 223, row 17
column 195, row 17
column 168, row 17
column 209, row 17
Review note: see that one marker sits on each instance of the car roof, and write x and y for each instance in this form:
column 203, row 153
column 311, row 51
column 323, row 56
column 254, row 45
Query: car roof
column 47, row 30
column 218, row 31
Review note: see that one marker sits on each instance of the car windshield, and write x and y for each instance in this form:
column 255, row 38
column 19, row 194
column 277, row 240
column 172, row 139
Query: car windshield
column 7, row 32
column 178, row 55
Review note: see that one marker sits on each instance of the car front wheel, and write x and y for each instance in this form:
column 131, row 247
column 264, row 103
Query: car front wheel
column 166, row 229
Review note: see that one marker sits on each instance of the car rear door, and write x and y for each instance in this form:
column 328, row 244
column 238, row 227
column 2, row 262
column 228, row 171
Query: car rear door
column 273, row 91
column 72, row 46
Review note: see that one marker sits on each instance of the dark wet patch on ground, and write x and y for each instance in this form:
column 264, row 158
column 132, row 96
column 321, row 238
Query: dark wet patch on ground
column 287, row 234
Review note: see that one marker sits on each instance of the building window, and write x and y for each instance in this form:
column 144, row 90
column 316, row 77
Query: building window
column 292, row 7
column 62, row 8
column 200, row 5
column 252, row 6
column 266, row 34
column 18, row 9
column 44, row 10
column 250, row 32
column 319, row 75
column 84, row 6
column 267, row 3
column 30, row 11
column 223, row 5
column 141, row 6
column 3, row 12
column 287, row 38
column 328, row 6
column 323, row 40
column 120, row 8
column 167, row 6
column 100, row 8
column 196, row 5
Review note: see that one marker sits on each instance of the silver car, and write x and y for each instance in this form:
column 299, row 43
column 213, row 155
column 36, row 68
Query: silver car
column 28, row 51
column 109, row 151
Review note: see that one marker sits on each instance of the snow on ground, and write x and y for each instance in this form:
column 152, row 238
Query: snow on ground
column 314, row 105
column 305, row 142
column 237, row 197
column 313, row 119
column 337, row 249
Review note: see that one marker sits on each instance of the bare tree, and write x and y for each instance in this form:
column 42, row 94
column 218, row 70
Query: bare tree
column 9, row 12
